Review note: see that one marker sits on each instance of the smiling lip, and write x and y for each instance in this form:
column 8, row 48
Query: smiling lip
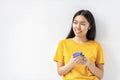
column 78, row 32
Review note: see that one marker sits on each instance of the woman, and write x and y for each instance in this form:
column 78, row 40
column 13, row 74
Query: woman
column 80, row 39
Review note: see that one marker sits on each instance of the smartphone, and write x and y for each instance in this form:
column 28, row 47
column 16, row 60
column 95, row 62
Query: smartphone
column 77, row 54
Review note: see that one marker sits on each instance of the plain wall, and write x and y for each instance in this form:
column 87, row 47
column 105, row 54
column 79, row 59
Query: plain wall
column 31, row 29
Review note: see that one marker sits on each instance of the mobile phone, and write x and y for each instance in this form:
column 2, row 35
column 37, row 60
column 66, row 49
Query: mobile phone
column 77, row 54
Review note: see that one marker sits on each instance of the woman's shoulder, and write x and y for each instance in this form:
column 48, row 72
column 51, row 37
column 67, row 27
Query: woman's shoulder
column 95, row 42
column 65, row 40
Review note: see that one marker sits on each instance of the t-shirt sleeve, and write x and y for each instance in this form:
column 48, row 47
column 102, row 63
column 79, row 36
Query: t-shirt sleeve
column 58, row 57
column 100, row 55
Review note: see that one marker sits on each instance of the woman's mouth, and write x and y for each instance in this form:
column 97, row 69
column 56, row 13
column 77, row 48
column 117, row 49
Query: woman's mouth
column 78, row 32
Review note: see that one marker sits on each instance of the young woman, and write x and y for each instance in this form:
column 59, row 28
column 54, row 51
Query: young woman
column 81, row 38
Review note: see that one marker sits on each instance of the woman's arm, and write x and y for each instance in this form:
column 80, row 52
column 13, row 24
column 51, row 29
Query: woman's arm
column 64, row 69
column 97, row 70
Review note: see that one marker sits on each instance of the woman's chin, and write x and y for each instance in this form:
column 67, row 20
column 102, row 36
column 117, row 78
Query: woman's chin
column 78, row 35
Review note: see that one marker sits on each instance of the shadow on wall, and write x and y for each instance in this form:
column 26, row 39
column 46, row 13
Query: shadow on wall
column 111, row 66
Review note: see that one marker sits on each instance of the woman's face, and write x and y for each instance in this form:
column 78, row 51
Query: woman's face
column 80, row 26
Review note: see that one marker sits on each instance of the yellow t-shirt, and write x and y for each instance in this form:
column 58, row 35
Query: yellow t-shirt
column 91, row 49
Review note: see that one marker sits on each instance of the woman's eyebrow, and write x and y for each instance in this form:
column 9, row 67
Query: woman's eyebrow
column 83, row 21
column 80, row 21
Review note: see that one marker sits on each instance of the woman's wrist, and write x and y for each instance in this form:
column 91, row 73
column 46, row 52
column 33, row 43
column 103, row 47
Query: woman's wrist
column 90, row 64
column 70, row 64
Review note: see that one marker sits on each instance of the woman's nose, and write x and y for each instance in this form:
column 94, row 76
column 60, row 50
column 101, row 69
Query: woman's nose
column 78, row 26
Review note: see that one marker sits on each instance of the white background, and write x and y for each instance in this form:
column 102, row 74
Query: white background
column 31, row 29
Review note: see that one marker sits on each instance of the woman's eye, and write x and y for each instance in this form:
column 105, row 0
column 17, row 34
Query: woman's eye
column 83, row 24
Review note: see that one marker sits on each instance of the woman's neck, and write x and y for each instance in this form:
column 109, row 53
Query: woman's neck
column 80, row 40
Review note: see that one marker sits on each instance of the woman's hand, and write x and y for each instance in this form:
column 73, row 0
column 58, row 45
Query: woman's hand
column 86, row 61
column 77, row 60
column 80, row 60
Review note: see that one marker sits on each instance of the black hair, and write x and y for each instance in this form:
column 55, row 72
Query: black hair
column 88, row 15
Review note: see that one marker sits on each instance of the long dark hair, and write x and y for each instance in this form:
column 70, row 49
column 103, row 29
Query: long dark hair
column 88, row 15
